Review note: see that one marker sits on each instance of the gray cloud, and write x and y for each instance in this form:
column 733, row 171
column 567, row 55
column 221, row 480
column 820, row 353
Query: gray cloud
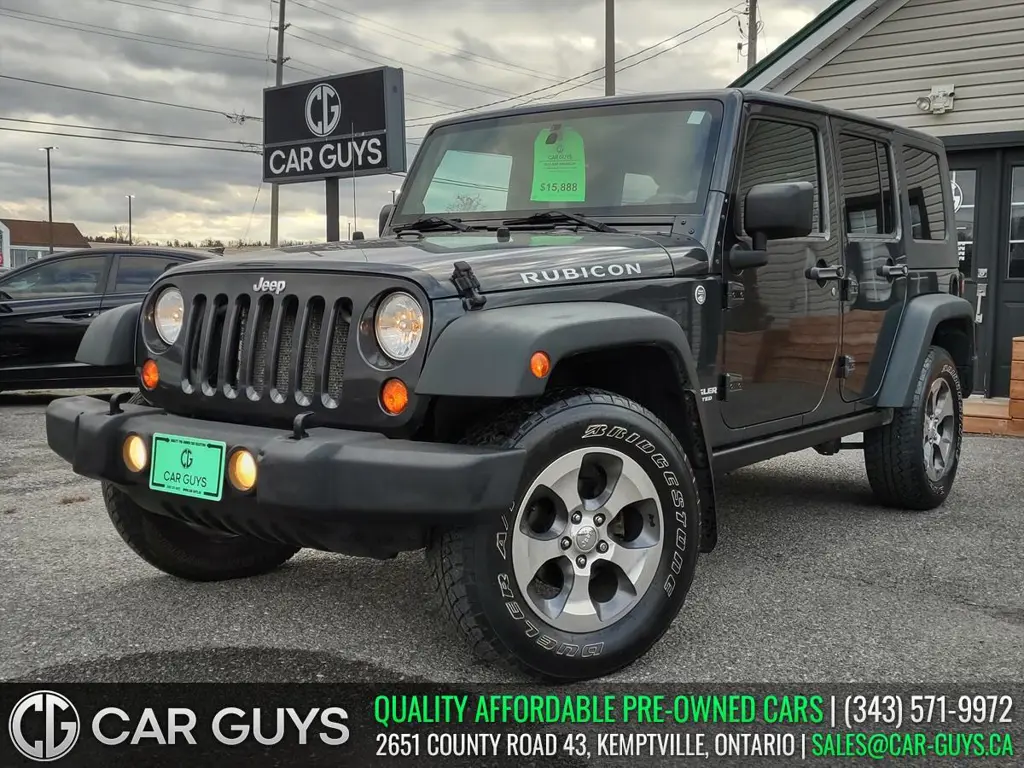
column 193, row 194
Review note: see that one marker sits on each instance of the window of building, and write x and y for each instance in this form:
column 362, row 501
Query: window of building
column 135, row 274
column 57, row 278
column 1015, row 268
column 780, row 152
column 926, row 193
column 867, row 186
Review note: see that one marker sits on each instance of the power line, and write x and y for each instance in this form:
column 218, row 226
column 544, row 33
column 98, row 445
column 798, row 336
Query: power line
column 377, row 58
column 600, row 69
column 131, row 141
column 207, row 10
column 136, row 37
column 186, row 13
column 127, row 131
column 427, row 43
column 234, row 117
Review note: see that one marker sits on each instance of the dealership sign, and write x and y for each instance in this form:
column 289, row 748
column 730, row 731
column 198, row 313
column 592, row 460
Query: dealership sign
column 335, row 126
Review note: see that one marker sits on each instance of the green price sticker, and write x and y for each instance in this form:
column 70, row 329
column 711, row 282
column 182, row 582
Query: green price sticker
column 559, row 167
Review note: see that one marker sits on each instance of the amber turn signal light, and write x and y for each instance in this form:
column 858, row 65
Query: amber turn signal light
column 394, row 396
column 150, row 374
column 540, row 364
column 134, row 453
column 242, row 470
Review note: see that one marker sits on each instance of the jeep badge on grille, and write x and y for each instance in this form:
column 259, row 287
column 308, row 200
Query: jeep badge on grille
column 270, row 286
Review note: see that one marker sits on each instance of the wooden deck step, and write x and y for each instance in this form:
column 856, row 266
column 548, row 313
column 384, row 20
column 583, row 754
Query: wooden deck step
column 990, row 408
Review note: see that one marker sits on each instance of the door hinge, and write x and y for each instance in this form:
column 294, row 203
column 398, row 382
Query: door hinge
column 468, row 286
column 733, row 294
column 844, row 289
column 845, row 366
column 728, row 383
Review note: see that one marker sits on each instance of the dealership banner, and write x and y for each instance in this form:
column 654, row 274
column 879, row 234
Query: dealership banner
column 457, row 725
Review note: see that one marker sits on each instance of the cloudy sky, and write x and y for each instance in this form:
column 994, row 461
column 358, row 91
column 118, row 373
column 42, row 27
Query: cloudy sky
column 212, row 55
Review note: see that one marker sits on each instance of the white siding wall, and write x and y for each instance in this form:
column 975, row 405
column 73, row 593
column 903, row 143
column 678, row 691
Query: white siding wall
column 977, row 45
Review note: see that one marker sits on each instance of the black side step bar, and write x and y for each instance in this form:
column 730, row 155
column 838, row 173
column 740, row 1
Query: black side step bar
column 743, row 455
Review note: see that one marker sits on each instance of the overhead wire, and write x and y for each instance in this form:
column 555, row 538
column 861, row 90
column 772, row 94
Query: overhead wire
column 132, row 141
column 81, row 127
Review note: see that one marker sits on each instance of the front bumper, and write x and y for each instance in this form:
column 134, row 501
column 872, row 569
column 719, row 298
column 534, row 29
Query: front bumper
column 317, row 491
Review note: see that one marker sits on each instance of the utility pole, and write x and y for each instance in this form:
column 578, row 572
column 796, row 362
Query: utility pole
column 751, row 33
column 130, row 198
column 275, row 191
column 609, row 47
column 49, row 192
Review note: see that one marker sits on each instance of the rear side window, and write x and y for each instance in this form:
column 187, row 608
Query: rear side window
column 867, row 186
column 779, row 152
column 925, row 190
column 136, row 273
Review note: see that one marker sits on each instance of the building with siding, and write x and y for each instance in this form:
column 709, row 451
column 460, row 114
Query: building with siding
column 22, row 241
column 953, row 68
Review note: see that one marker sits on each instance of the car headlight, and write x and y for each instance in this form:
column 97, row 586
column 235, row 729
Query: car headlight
column 168, row 315
column 399, row 325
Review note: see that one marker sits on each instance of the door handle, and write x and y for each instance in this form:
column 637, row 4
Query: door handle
column 823, row 273
column 79, row 315
column 981, row 293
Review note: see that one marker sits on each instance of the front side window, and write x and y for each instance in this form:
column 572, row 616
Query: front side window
column 867, row 186
column 57, row 278
column 135, row 274
column 616, row 160
column 777, row 152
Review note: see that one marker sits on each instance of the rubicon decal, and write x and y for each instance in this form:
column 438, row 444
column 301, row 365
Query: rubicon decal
column 568, row 274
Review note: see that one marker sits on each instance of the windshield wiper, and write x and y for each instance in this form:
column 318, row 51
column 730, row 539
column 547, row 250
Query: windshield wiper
column 557, row 216
column 434, row 222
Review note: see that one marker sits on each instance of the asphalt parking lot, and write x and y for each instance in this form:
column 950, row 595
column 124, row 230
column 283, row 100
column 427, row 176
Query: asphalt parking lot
column 810, row 582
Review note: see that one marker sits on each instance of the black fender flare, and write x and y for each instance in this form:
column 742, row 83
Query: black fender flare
column 486, row 354
column 921, row 318
column 109, row 341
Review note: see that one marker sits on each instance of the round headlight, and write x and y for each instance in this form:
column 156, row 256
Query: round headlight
column 168, row 315
column 399, row 325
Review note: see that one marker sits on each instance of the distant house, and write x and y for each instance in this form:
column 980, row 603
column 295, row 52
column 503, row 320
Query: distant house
column 22, row 241
column 952, row 68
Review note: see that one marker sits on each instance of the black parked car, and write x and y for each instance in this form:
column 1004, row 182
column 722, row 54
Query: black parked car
column 45, row 307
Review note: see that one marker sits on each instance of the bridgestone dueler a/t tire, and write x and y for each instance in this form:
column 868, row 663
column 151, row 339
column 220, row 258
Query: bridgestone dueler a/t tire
column 473, row 573
column 186, row 551
column 894, row 454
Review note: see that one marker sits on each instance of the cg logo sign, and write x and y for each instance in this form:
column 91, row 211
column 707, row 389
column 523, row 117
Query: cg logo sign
column 323, row 110
column 59, row 717
column 186, row 458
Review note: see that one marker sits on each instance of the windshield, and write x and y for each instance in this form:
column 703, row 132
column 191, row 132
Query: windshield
column 616, row 160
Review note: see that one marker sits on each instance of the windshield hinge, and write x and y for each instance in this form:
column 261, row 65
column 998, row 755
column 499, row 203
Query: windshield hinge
column 468, row 286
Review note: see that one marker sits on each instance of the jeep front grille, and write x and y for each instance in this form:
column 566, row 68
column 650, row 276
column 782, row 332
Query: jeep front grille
column 281, row 349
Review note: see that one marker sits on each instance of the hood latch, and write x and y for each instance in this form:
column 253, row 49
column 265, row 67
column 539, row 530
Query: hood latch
column 468, row 286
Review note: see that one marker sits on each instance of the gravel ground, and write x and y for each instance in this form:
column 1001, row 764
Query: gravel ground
column 810, row 582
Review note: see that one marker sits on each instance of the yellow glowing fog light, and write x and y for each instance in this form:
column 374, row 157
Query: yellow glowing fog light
column 135, row 453
column 242, row 470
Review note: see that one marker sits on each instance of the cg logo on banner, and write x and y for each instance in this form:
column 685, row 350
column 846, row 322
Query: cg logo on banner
column 59, row 719
column 323, row 110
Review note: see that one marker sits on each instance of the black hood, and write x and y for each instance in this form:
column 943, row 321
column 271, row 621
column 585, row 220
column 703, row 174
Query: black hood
column 526, row 259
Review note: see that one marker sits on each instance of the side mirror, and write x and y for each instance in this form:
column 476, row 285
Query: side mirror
column 774, row 212
column 382, row 218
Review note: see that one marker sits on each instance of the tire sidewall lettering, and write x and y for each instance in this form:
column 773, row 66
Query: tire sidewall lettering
column 657, row 454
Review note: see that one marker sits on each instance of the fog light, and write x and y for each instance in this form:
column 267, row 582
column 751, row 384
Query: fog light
column 394, row 396
column 242, row 470
column 135, row 453
column 540, row 364
column 150, row 374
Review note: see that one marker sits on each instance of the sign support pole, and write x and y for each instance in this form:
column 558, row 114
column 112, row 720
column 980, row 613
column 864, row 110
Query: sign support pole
column 333, row 196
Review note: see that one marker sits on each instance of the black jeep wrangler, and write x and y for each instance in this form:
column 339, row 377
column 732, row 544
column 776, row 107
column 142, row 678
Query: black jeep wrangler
column 576, row 318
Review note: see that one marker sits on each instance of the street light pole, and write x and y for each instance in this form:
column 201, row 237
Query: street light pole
column 609, row 47
column 49, row 192
column 130, row 198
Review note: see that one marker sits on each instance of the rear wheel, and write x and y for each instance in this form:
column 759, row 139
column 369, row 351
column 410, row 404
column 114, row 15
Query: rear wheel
column 595, row 557
column 189, row 551
column 912, row 462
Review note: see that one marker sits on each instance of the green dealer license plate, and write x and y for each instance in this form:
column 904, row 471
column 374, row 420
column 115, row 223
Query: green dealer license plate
column 187, row 466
